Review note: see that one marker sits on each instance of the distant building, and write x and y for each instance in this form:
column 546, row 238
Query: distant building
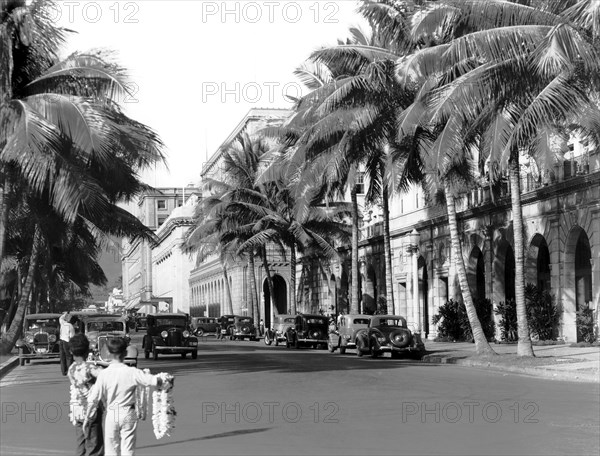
column 153, row 209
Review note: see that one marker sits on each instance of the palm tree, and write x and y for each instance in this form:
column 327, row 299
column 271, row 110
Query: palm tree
column 64, row 140
column 517, row 70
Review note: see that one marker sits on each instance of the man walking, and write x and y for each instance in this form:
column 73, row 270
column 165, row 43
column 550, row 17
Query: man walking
column 66, row 332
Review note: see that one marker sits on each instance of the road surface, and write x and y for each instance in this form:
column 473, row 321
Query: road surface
column 248, row 399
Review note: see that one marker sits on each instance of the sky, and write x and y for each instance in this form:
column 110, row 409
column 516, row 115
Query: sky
column 197, row 67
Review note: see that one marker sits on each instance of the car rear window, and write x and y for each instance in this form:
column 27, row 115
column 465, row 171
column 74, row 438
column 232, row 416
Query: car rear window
column 316, row 321
column 171, row 322
column 361, row 321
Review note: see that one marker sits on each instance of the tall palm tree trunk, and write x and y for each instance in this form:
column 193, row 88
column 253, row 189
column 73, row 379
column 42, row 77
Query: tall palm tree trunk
column 354, row 298
column 253, row 289
column 482, row 346
column 229, row 303
column 272, row 303
column 10, row 338
column 387, row 247
column 524, row 346
column 3, row 212
column 293, row 277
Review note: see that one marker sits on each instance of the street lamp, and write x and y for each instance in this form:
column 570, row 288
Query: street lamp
column 414, row 239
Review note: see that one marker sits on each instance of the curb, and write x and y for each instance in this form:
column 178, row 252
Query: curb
column 572, row 376
column 7, row 366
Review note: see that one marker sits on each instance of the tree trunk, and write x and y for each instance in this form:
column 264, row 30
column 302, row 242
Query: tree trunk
column 10, row 338
column 229, row 309
column 3, row 212
column 272, row 303
column 354, row 298
column 255, row 312
column 482, row 346
column 524, row 346
column 293, row 278
column 387, row 246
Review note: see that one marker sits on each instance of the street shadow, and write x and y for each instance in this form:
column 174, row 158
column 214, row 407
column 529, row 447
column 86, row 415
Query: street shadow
column 242, row 359
column 208, row 437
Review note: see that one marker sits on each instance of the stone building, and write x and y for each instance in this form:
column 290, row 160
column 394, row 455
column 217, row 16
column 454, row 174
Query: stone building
column 141, row 287
column 208, row 289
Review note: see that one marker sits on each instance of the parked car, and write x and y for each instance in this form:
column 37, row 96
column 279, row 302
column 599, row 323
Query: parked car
column 308, row 330
column 140, row 323
column 243, row 328
column 389, row 333
column 226, row 324
column 349, row 327
column 169, row 333
column 40, row 337
column 204, row 325
column 277, row 332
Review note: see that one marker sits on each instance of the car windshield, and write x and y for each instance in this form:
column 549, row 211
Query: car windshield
column 361, row 321
column 389, row 322
column 105, row 326
column 42, row 324
column 179, row 322
column 316, row 321
column 288, row 320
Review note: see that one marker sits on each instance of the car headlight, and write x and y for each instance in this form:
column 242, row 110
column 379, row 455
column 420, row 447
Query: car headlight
column 52, row 338
column 29, row 339
column 186, row 334
column 381, row 340
column 164, row 334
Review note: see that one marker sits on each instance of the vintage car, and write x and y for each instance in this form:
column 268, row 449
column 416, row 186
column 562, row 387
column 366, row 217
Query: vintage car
column 204, row 325
column 277, row 333
column 389, row 333
column 169, row 333
column 243, row 328
column 140, row 323
column 99, row 329
column 348, row 328
column 307, row 330
column 226, row 324
column 40, row 337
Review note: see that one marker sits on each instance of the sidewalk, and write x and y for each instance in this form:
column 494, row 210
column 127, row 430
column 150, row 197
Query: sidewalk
column 559, row 362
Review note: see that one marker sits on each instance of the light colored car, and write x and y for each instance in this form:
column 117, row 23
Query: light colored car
column 99, row 329
column 277, row 333
column 204, row 325
column 40, row 337
column 389, row 333
column 349, row 327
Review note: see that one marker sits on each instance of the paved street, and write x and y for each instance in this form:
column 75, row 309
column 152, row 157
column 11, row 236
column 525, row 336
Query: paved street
column 246, row 398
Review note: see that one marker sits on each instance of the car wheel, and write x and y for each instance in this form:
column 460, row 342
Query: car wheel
column 200, row 332
column 418, row 356
column 195, row 354
column 27, row 361
column 359, row 348
column 155, row 353
column 342, row 350
column 183, row 355
column 268, row 340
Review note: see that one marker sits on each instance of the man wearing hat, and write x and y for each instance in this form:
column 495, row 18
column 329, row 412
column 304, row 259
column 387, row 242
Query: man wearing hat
column 66, row 332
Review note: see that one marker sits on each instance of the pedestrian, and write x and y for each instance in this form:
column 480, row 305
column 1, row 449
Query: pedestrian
column 82, row 376
column 66, row 332
column 116, row 389
column 262, row 327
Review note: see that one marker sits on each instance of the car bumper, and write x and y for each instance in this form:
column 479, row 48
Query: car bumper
column 40, row 355
column 392, row 348
column 176, row 349
column 313, row 341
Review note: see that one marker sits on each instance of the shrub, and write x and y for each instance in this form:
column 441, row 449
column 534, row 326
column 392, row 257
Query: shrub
column 585, row 325
column 507, row 310
column 454, row 322
column 542, row 315
column 449, row 319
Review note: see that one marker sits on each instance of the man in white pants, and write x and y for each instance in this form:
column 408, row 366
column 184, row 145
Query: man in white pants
column 116, row 386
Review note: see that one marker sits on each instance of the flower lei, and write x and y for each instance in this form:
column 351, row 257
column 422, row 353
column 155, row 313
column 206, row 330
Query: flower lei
column 163, row 409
